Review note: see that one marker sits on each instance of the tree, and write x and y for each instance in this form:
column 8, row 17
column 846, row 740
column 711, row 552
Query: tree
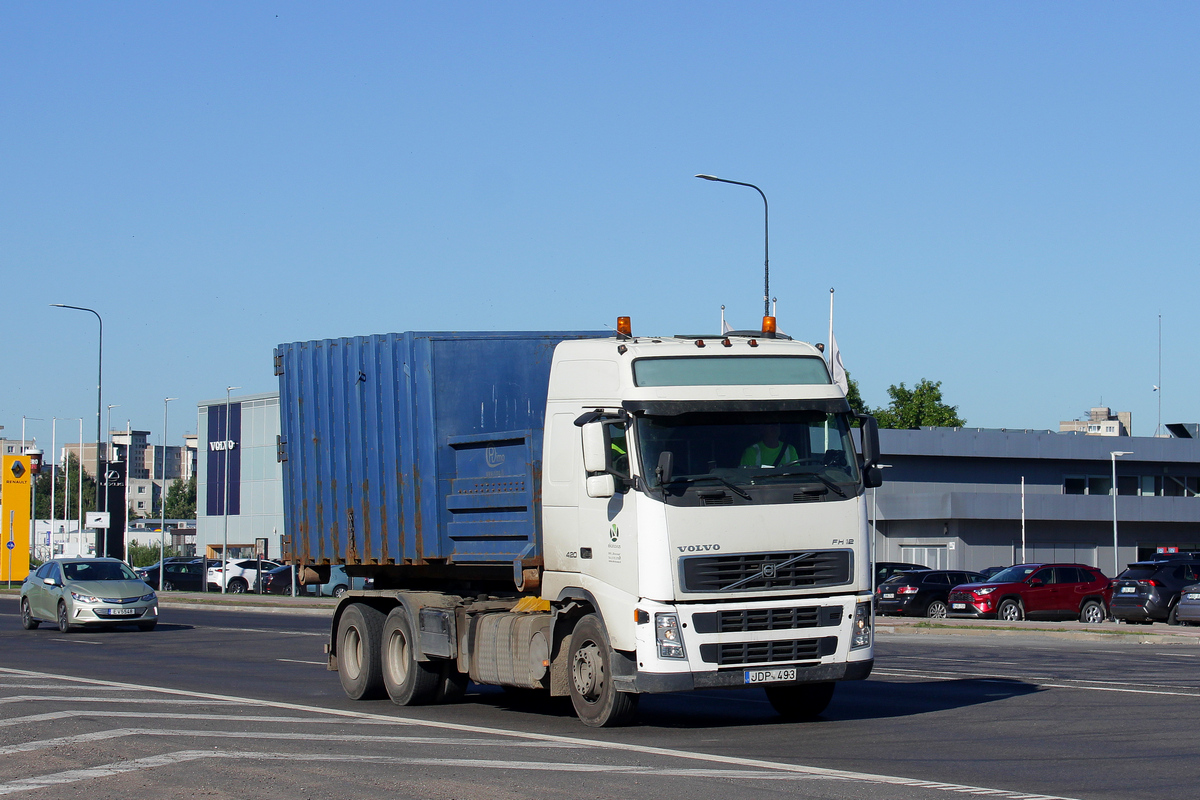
column 181, row 499
column 917, row 407
column 854, row 398
column 68, row 481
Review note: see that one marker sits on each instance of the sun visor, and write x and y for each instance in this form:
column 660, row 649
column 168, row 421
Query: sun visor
column 673, row 408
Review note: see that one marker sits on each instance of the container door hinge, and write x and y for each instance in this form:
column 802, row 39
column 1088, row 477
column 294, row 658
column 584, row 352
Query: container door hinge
column 278, row 365
column 280, row 448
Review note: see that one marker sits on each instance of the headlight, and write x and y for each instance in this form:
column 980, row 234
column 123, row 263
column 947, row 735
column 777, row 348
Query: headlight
column 861, row 634
column 83, row 598
column 666, row 632
column 148, row 598
column 983, row 592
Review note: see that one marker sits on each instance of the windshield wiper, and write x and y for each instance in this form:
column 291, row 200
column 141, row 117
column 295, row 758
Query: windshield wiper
column 775, row 473
column 737, row 489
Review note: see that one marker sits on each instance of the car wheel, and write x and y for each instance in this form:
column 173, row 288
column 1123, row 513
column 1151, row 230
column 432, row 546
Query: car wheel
column 1091, row 613
column 408, row 682
column 359, row 637
column 168, row 586
column 64, row 620
column 27, row 620
column 936, row 610
column 147, row 626
column 238, row 585
column 597, row 702
column 338, row 591
column 1010, row 611
column 1173, row 617
column 803, row 701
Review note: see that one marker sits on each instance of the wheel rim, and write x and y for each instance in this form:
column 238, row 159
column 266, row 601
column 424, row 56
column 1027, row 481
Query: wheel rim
column 237, row 587
column 396, row 662
column 937, row 610
column 587, row 672
column 352, row 652
column 1091, row 614
column 62, row 616
column 1008, row 613
column 168, row 587
column 26, row 615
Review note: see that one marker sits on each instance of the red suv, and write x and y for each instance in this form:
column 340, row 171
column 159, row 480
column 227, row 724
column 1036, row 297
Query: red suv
column 1047, row 591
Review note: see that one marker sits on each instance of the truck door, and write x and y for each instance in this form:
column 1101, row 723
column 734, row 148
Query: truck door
column 608, row 525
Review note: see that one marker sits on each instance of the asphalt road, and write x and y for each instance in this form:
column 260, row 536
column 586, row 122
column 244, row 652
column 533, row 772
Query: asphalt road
column 223, row 704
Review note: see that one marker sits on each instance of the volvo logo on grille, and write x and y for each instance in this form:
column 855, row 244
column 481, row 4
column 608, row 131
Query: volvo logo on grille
column 768, row 569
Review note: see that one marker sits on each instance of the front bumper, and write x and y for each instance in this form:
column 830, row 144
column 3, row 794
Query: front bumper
column 109, row 614
column 654, row 683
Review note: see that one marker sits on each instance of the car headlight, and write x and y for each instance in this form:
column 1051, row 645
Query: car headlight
column 983, row 592
column 148, row 598
column 860, row 635
column 84, row 598
column 666, row 632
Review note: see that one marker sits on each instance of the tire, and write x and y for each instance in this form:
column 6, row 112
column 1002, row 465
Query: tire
column 64, row 621
column 597, row 702
column 936, row 609
column 147, row 626
column 1010, row 611
column 27, row 620
column 408, row 682
column 1092, row 613
column 359, row 639
column 168, row 586
column 338, row 591
column 1173, row 617
column 238, row 585
column 802, row 701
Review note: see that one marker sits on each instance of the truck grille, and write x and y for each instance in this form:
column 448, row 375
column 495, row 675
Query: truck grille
column 762, row 571
column 733, row 653
column 767, row 619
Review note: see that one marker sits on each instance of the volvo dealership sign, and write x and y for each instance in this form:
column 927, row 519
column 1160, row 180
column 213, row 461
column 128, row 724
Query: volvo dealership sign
column 224, row 459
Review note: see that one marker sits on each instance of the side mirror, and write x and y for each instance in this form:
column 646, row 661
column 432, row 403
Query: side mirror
column 666, row 462
column 869, row 431
column 872, row 477
column 1035, row 582
column 601, row 485
column 49, row 581
column 595, row 449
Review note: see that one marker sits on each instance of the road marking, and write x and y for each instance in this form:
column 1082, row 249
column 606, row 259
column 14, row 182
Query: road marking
column 259, row 630
column 298, row 661
column 1039, row 681
column 75, row 641
column 638, row 749
column 1176, row 655
column 91, row 713
column 17, row 698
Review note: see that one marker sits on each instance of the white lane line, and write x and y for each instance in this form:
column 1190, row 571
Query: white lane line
column 75, row 641
column 1177, row 655
column 298, row 661
column 258, row 630
column 20, row 698
column 181, row 756
column 1039, row 681
column 336, row 719
column 961, row 660
column 59, row 687
column 639, row 749
column 116, row 733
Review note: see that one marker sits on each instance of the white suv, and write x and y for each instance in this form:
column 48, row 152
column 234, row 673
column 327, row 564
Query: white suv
column 241, row 575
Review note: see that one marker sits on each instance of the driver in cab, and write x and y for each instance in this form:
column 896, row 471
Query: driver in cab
column 769, row 451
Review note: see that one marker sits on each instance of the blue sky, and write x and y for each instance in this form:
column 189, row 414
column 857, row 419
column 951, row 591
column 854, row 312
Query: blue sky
column 1005, row 196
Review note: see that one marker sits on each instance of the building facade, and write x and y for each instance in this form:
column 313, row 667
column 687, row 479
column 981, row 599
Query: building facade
column 963, row 498
column 239, row 481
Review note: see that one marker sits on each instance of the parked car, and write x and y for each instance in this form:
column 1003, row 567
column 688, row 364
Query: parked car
column 1150, row 590
column 279, row 581
column 1188, row 607
column 886, row 569
column 142, row 572
column 1036, row 591
column 921, row 594
column 184, row 577
column 988, row 572
column 241, row 575
column 79, row 592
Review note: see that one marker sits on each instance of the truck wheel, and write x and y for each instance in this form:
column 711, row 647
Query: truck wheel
column 1092, row 612
column 597, row 702
column 409, row 682
column 359, row 637
column 803, row 701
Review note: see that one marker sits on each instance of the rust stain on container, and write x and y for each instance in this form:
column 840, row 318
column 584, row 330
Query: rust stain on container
column 367, row 549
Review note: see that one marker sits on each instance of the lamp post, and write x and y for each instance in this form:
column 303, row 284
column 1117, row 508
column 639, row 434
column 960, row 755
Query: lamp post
column 225, row 508
column 162, row 523
column 99, row 406
column 766, row 239
column 108, row 450
column 1113, row 455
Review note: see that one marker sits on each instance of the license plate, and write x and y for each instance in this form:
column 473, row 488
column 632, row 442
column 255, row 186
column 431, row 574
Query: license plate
column 888, row 595
column 1128, row 589
column 958, row 605
column 770, row 675
column 122, row 612
column 1193, row 596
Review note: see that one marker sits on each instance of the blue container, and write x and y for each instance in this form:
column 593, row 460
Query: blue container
column 415, row 449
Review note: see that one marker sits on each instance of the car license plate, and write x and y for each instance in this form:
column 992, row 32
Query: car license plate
column 122, row 612
column 958, row 605
column 770, row 675
column 888, row 595
column 1128, row 589
column 1193, row 596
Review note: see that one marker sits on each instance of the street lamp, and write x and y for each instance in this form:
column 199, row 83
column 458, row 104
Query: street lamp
column 225, row 508
column 99, row 405
column 1113, row 454
column 766, row 239
column 162, row 524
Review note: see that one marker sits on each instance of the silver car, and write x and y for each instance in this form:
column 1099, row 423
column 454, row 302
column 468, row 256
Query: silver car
column 79, row 592
column 1187, row 610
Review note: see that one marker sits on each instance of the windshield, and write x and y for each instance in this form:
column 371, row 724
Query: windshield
column 1013, row 574
column 98, row 571
column 746, row 448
